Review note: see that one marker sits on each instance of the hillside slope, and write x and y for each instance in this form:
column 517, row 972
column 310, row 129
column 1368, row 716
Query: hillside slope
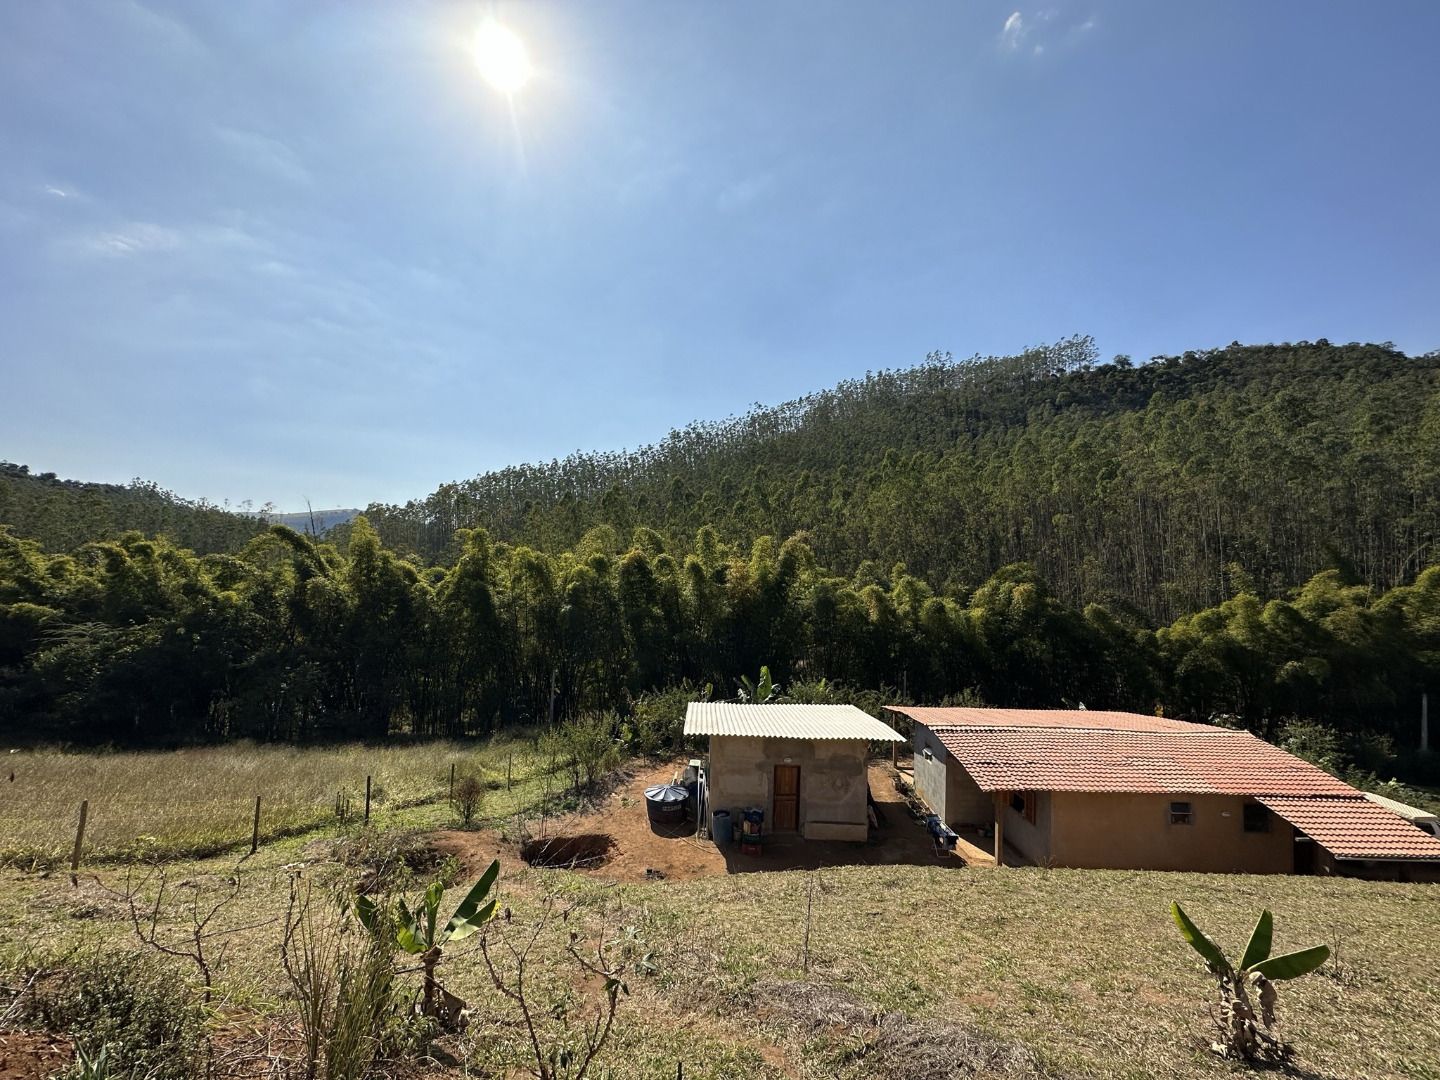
column 63, row 514
column 1161, row 487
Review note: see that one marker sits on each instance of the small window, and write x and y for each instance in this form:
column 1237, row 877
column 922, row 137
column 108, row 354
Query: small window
column 1023, row 803
column 1180, row 814
column 1257, row 818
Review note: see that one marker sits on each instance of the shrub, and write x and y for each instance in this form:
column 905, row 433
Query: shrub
column 585, row 747
column 469, row 791
column 126, row 1009
column 657, row 719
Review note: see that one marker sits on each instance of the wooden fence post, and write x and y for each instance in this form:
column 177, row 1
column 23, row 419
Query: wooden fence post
column 367, row 800
column 79, row 840
column 452, row 781
column 255, row 829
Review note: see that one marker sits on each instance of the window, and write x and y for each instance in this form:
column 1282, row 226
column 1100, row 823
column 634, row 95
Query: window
column 1180, row 814
column 1023, row 803
column 1257, row 818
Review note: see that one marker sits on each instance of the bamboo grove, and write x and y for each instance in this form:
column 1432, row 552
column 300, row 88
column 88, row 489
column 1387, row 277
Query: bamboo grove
column 138, row 641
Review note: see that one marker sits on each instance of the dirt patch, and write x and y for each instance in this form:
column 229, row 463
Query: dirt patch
column 32, row 1055
column 582, row 852
column 636, row 845
column 643, row 851
column 891, row 1045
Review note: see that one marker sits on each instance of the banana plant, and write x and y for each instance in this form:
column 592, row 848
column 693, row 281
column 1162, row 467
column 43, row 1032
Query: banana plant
column 1246, row 1033
column 420, row 933
column 758, row 693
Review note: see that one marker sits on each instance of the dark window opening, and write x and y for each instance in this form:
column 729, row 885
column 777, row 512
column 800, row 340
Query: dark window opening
column 1023, row 803
column 1257, row 818
column 1180, row 814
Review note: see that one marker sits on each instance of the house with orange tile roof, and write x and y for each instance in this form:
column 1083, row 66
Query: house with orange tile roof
column 1115, row 790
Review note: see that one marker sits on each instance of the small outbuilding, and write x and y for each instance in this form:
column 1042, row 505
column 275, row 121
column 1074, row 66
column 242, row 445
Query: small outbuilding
column 805, row 766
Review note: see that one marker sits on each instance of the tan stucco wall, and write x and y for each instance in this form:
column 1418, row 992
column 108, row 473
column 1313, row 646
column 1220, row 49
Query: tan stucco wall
column 944, row 786
column 966, row 803
column 1133, row 832
column 832, row 777
column 1032, row 841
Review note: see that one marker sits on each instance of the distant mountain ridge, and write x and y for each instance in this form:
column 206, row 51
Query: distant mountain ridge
column 314, row 522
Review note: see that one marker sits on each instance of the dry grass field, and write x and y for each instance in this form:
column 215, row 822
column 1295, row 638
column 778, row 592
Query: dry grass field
column 914, row 971
column 188, row 803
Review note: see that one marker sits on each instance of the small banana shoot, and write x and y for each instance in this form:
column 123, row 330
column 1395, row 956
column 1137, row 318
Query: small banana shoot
column 1244, row 1033
column 419, row 933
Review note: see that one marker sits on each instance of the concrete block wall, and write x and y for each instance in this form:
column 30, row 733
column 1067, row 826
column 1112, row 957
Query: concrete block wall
column 832, row 779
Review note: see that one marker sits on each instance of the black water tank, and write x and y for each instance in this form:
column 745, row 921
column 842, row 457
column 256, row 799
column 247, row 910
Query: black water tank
column 665, row 803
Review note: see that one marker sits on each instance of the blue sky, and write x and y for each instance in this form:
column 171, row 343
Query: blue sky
column 273, row 251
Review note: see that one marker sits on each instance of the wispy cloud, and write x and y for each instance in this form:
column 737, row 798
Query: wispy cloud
column 59, row 193
column 1014, row 31
column 1035, row 33
column 167, row 31
column 134, row 238
column 264, row 154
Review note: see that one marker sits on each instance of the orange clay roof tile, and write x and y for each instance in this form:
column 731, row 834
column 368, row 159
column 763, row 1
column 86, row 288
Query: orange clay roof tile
column 1355, row 828
column 1084, row 751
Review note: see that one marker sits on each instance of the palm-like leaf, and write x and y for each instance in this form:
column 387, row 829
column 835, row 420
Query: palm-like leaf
column 433, row 893
column 368, row 913
column 408, row 933
column 1197, row 939
column 1293, row 965
column 471, row 915
column 1258, row 948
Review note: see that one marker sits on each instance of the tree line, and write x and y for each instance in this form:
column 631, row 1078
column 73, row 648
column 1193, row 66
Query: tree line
column 139, row 641
column 1141, row 487
column 61, row 514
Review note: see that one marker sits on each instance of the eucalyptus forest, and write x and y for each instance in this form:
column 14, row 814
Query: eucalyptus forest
column 1243, row 535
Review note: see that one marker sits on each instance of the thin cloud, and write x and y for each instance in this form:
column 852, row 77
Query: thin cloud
column 1013, row 32
column 135, row 238
column 264, row 154
column 1037, row 32
column 59, row 193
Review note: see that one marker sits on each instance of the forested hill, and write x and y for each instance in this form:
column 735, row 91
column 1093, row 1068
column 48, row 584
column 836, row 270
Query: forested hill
column 1164, row 486
column 63, row 514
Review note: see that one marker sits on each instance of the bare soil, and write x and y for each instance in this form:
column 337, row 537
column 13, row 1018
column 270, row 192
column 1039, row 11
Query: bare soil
column 32, row 1055
column 640, row 850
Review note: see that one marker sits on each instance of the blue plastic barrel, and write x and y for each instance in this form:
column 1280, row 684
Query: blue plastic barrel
column 723, row 835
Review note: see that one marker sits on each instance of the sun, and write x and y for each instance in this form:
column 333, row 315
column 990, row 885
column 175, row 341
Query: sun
column 502, row 57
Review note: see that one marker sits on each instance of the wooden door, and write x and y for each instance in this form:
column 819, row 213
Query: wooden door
column 785, row 811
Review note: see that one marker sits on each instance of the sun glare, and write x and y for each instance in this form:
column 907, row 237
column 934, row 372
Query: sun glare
column 502, row 58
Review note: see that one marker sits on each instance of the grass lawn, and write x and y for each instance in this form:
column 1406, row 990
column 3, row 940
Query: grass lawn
column 1083, row 968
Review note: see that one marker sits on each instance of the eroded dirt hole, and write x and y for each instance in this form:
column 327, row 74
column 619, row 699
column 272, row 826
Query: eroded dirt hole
column 571, row 852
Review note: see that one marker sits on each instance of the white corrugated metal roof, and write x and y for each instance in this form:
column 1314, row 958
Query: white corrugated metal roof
column 786, row 722
column 1408, row 812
